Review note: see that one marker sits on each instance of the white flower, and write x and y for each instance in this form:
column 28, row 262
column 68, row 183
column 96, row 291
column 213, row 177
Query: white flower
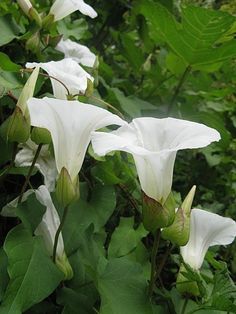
column 70, row 124
column 62, row 8
column 45, row 162
column 69, row 72
column 206, row 229
column 25, row 5
column 77, row 52
column 154, row 144
column 50, row 222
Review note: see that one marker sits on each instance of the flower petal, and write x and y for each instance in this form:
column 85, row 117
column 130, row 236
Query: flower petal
column 50, row 222
column 172, row 134
column 69, row 72
column 70, row 124
column 62, row 8
column 206, row 229
column 77, row 52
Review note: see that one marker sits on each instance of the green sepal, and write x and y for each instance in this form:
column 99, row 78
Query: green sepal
column 156, row 215
column 34, row 15
column 64, row 265
column 48, row 21
column 16, row 128
column 186, row 286
column 66, row 190
column 89, row 90
column 40, row 136
column 33, row 43
column 27, row 92
column 178, row 232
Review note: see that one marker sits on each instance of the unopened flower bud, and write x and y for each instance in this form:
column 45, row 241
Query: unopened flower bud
column 40, row 136
column 63, row 263
column 178, row 232
column 25, row 5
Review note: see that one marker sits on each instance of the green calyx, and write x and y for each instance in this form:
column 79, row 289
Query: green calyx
column 16, row 128
column 156, row 215
column 66, row 190
column 64, row 265
column 40, row 136
column 185, row 286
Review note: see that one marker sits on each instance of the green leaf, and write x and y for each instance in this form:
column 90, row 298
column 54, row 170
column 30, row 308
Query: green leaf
column 224, row 292
column 4, row 278
column 125, row 239
column 75, row 29
column 7, row 65
column 122, row 288
column 9, row 29
column 30, row 212
column 82, row 214
column 74, row 301
column 33, row 276
column 196, row 38
column 131, row 52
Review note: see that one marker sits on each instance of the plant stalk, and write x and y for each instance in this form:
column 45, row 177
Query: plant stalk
column 29, row 173
column 184, row 306
column 178, row 88
column 63, row 219
column 163, row 261
column 153, row 261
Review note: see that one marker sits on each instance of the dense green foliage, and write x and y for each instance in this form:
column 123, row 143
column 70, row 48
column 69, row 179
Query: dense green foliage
column 156, row 58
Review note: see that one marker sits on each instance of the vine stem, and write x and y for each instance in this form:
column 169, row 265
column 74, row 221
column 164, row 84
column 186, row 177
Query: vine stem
column 50, row 76
column 63, row 219
column 178, row 88
column 163, row 261
column 29, row 173
column 184, row 306
column 108, row 105
column 153, row 261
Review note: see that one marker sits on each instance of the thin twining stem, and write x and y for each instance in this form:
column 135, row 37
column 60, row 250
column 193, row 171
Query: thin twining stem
column 50, row 76
column 29, row 173
column 163, row 261
column 178, row 88
column 63, row 219
column 153, row 261
column 108, row 105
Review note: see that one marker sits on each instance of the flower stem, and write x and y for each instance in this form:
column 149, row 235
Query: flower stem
column 63, row 219
column 108, row 105
column 163, row 261
column 178, row 87
column 184, row 306
column 153, row 261
column 50, row 76
column 29, row 173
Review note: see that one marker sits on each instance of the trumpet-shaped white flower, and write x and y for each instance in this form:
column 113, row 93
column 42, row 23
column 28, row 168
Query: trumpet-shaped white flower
column 77, row 52
column 50, row 222
column 45, row 162
column 206, row 229
column 67, row 71
column 70, row 124
column 154, row 144
column 62, row 8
